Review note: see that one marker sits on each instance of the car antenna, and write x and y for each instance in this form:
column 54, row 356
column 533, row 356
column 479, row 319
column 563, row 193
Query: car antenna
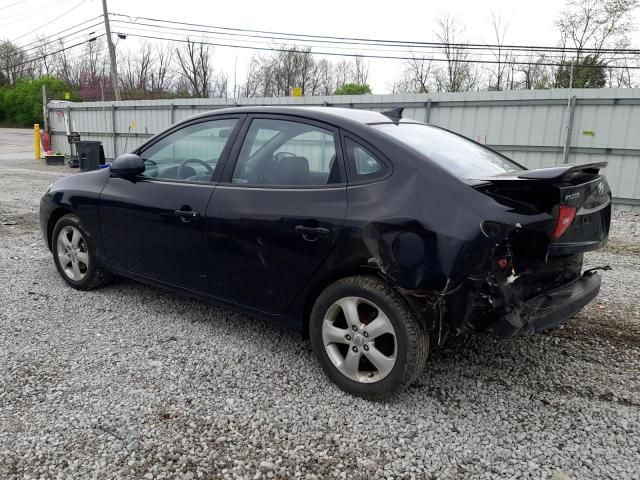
column 394, row 114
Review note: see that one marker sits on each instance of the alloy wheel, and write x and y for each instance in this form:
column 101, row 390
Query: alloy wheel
column 359, row 339
column 73, row 253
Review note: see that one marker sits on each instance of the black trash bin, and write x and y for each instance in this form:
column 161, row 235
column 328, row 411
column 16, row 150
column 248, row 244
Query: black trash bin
column 90, row 155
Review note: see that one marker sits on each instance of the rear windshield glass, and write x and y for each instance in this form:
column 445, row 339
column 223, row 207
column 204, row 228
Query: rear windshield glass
column 456, row 154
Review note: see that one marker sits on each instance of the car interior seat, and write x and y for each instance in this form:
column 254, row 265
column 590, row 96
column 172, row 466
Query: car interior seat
column 293, row 171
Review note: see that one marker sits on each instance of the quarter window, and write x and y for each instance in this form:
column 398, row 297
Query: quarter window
column 287, row 153
column 191, row 153
column 364, row 164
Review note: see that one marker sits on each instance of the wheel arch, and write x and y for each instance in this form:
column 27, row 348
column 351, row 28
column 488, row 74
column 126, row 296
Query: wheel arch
column 56, row 215
column 323, row 282
column 426, row 317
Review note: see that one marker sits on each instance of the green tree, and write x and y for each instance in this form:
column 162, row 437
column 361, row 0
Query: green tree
column 353, row 89
column 587, row 73
column 21, row 104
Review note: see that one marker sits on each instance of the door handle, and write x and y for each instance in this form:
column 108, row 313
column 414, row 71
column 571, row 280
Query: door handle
column 186, row 215
column 311, row 231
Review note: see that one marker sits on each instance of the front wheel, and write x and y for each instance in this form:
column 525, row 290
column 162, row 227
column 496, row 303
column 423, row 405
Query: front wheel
column 74, row 254
column 366, row 338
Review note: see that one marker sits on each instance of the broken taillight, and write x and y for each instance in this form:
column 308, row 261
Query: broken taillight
column 566, row 214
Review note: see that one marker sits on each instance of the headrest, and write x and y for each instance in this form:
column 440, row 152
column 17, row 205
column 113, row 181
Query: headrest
column 293, row 165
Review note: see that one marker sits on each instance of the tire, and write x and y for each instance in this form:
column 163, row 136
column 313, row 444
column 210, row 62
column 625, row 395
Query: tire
column 74, row 254
column 396, row 335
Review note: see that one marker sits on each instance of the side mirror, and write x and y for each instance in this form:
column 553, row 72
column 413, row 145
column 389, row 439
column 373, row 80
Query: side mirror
column 127, row 165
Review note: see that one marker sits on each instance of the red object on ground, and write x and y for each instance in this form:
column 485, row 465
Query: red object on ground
column 45, row 140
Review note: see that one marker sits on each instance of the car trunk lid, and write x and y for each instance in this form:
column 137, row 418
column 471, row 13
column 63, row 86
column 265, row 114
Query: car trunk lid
column 558, row 191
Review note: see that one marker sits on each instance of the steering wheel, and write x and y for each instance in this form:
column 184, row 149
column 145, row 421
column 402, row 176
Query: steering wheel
column 280, row 155
column 153, row 172
column 181, row 169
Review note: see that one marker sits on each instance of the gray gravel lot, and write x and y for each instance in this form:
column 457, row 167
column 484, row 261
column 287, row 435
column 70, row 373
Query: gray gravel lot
column 133, row 382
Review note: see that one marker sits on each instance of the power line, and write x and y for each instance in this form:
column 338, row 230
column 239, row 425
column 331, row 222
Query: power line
column 302, row 42
column 417, row 55
column 23, row 15
column 212, row 35
column 63, row 31
column 33, row 59
column 14, row 3
column 383, row 57
column 50, row 21
column 405, row 43
column 40, row 43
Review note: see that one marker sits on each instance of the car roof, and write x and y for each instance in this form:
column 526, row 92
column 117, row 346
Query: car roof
column 335, row 115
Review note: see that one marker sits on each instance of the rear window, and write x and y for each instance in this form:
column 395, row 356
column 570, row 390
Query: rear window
column 458, row 155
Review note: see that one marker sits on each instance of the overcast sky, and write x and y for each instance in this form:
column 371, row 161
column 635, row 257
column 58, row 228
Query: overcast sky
column 530, row 22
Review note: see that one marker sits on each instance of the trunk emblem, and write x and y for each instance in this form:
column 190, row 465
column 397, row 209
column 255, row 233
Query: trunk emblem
column 571, row 196
column 601, row 188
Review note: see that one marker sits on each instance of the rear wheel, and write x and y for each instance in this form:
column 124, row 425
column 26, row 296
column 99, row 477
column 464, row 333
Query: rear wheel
column 366, row 338
column 74, row 254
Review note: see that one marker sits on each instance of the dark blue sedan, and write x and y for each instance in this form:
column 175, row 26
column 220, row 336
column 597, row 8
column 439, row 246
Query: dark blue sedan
column 372, row 234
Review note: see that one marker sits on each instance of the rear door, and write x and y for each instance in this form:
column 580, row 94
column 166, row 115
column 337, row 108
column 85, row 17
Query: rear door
column 277, row 212
column 154, row 225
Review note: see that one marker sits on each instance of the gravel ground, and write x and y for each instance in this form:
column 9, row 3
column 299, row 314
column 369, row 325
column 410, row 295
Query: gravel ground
column 133, row 382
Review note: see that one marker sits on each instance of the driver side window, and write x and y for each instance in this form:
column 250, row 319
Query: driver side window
column 190, row 153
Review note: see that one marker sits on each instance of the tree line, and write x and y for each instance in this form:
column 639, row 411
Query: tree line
column 591, row 32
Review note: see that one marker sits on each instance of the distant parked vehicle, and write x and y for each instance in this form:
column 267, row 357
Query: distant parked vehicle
column 370, row 233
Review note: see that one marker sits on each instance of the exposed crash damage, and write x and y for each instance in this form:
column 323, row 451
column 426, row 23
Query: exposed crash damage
column 522, row 272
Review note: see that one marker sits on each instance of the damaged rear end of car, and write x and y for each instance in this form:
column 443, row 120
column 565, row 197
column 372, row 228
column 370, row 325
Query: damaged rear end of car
column 508, row 254
column 533, row 278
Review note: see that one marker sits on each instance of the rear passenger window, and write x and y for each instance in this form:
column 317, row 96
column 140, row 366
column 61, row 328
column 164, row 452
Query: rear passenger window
column 364, row 164
column 287, row 153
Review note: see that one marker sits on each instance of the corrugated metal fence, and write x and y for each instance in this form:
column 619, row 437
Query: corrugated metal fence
column 536, row 128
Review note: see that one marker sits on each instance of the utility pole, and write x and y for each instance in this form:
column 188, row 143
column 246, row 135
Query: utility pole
column 112, row 52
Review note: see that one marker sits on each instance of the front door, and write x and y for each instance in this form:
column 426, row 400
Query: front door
column 154, row 225
column 277, row 213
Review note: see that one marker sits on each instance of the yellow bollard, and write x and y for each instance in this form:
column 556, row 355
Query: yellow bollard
column 36, row 139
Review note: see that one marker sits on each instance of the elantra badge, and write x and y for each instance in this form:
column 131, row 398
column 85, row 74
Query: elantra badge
column 571, row 196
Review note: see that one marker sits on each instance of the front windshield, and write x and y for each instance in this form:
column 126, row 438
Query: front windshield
column 456, row 154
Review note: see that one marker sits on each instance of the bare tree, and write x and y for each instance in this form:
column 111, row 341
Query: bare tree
column 194, row 65
column 342, row 73
column 278, row 73
column 135, row 71
column 252, row 87
column 65, row 68
column 459, row 74
column 46, row 63
column 416, row 77
column 13, row 63
column 624, row 75
column 219, row 86
column 501, row 74
column 161, row 75
column 359, row 71
column 355, row 70
column 325, row 79
column 596, row 25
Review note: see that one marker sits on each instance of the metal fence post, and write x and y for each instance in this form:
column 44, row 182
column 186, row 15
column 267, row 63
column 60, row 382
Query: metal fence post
column 45, row 109
column 113, row 129
column 567, row 142
column 427, row 113
column 69, row 130
column 172, row 114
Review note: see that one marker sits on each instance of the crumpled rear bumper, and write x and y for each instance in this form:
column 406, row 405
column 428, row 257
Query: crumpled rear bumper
column 550, row 308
